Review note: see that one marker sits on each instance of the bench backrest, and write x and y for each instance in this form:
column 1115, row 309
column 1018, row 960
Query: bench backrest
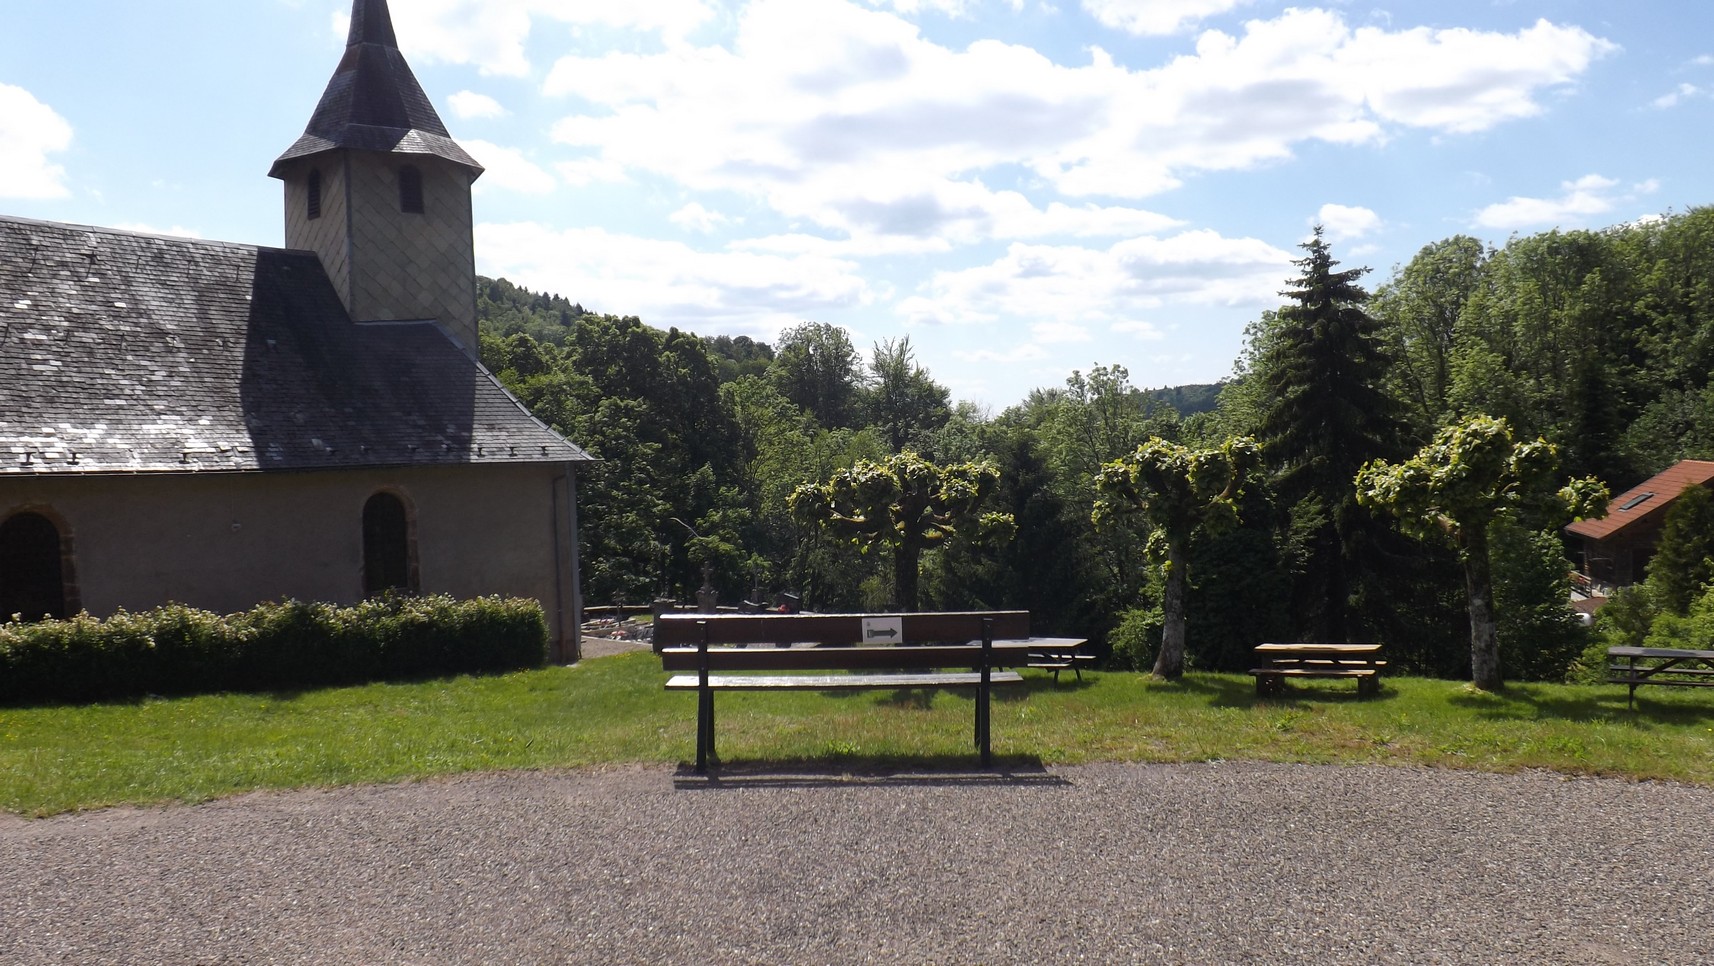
column 679, row 638
column 686, row 630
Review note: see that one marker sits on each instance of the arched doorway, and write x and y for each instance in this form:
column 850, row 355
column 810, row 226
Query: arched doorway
column 32, row 569
column 387, row 546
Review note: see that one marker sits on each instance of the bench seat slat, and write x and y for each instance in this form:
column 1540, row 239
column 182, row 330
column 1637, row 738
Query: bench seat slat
column 1657, row 680
column 839, row 682
column 1642, row 670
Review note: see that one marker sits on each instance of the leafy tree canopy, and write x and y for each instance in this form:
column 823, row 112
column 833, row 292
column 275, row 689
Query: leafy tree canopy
column 1455, row 487
column 905, row 503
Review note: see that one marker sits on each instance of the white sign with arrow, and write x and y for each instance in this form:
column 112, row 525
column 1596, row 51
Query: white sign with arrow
column 883, row 630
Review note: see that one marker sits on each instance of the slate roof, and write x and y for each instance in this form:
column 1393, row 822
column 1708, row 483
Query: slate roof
column 131, row 353
column 1646, row 503
column 373, row 102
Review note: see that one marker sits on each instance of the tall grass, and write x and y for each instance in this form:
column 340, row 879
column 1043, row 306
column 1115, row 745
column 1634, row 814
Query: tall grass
column 614, row 711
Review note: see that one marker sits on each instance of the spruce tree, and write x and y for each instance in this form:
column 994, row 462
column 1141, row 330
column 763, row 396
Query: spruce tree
column 1327, row 414
column 1683, row 566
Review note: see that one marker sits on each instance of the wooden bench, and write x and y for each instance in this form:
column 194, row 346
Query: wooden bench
column 871, row 648
column 1302, row 660
column 1637, row 666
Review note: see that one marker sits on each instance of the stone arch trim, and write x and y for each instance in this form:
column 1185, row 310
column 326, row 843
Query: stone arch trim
column 411, row 583
column 70, row 590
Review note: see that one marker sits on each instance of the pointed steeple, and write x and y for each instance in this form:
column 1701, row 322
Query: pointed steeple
column 371, row 23
column 373, row 102
column 379, row 190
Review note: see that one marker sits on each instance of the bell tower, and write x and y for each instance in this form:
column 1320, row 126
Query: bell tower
column 378, row 188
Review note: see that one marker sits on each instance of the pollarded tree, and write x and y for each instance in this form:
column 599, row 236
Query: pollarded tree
column 907, row 504
column 1455, row 487
column 1176, row 490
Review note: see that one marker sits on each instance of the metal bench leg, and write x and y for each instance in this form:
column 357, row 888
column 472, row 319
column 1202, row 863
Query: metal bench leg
column 704, row 729
column 982, row 691
column 982, row 725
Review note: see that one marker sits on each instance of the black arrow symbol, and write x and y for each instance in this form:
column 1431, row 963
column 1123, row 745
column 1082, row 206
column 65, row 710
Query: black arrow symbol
column 872, row 634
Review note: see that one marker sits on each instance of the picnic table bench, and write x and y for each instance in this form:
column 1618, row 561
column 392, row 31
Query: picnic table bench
column 728, row 652
column 1637, row 666
column 1304, row 660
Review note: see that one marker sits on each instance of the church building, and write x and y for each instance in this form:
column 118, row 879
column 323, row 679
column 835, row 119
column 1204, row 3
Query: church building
column 222, row 424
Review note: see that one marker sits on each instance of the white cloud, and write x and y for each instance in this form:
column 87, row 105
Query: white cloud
column 30, row 131
column 951, row 8
column 1054, row 333
column 469, row 105
column 670, row 283
column 581, row 172
column 509, row 170
column 1346, row 222
column 1469, row 80
column 1082, row 286
column 1156, row 17
column 849, row 122
column 694, row 217
column 1588, row 196
column 491, row 34
column 1024, row 352
column 1684, row 92
column 1137, row 328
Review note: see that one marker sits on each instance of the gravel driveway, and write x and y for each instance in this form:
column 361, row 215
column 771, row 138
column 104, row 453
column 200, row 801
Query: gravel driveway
column 1221, row 862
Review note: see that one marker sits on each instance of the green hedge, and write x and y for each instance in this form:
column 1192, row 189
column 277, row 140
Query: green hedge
column 290, row 646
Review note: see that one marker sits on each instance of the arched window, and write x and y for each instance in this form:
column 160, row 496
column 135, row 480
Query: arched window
column 410, row 190
column 387, row 546
column 32, row 572
column 313, row 204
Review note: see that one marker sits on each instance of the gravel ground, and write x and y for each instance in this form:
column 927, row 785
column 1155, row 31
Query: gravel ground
column 1212, row 863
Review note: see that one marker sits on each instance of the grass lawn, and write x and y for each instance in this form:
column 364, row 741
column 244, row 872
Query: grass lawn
column 613, row 710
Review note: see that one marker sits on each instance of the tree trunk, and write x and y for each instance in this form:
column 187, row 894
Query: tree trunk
column 905, row 561
column 1484, row 629
column 1170, row 663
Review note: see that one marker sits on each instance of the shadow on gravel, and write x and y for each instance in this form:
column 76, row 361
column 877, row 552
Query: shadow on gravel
column 1022, row 772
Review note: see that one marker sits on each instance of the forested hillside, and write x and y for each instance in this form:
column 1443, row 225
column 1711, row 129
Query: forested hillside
column 1600, row 342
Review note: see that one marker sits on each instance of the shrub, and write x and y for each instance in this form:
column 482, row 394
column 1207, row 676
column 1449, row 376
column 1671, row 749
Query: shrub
column 277, row 646
column 1541, row 637
column 1136, row 640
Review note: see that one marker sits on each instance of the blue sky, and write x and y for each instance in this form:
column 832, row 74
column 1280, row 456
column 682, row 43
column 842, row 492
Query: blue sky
column 1023, row 187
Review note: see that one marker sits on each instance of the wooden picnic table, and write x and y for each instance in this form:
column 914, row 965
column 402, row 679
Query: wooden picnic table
column 1054, row 654
column 1313, row 660
column 1675, row 667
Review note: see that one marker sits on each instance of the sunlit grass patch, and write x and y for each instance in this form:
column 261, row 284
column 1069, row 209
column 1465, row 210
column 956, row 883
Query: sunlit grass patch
column 614, row 710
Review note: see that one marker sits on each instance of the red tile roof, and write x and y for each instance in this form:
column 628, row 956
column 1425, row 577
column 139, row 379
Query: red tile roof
column 1646, row 501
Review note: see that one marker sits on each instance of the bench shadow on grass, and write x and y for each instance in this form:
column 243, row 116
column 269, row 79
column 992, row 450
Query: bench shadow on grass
column 1226, row 692
column 1526, row 702
column 841, row 771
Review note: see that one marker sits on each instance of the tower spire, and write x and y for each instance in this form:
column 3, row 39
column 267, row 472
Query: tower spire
column 373, row 102
column 371, row 23
column 381, row 192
